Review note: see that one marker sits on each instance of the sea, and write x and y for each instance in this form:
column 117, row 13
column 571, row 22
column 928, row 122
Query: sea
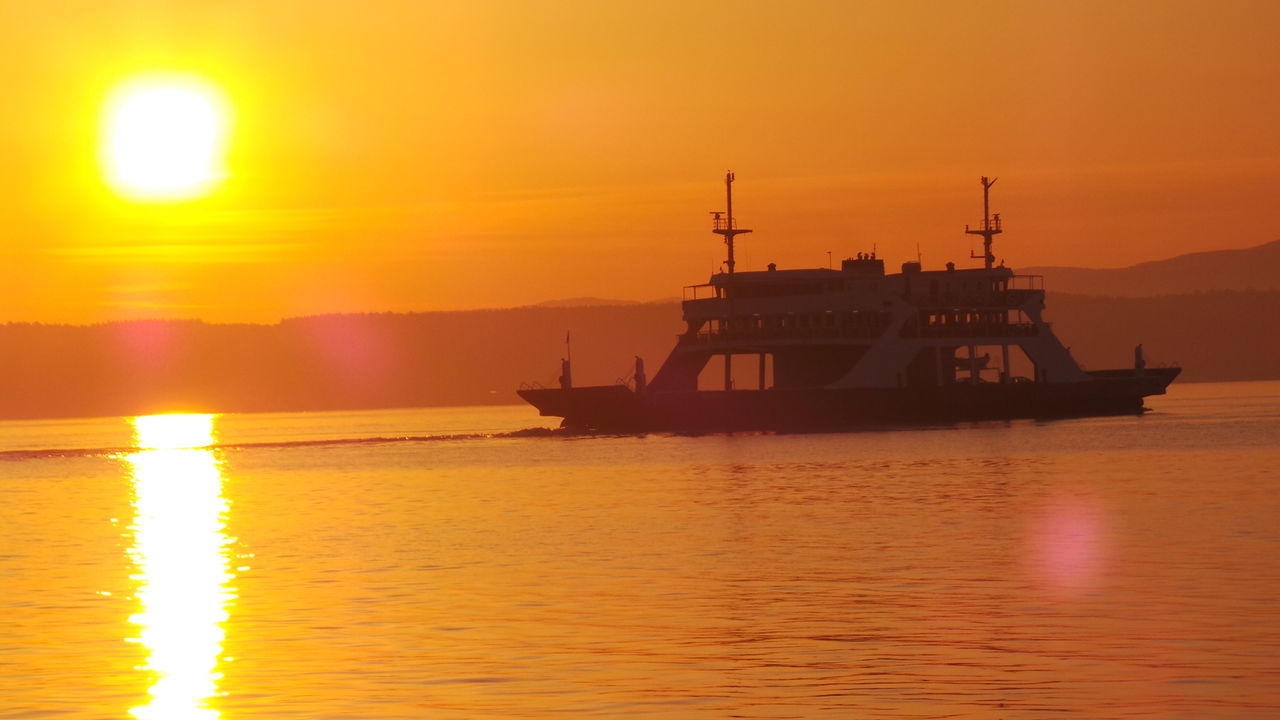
column 476, row 563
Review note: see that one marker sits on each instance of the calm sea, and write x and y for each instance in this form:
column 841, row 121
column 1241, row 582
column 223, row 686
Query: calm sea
column 436, row 564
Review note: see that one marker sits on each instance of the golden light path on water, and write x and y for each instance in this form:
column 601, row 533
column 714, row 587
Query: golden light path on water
column 180, row 551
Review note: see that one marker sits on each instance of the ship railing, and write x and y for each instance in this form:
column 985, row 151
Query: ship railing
column 723, row 223
column 1026, row 282
column 989, row 224
column 1011, row 298
column 705, row 291
column 980, row 330
column 946, row 299
column 818, row 333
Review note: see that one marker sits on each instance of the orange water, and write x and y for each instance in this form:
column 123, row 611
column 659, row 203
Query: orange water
column 1094, row 568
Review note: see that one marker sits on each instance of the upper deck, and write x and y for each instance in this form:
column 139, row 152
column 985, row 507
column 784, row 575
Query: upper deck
column 860, row 284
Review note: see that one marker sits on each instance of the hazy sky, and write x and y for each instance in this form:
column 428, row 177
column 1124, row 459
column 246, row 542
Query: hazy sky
column 418, row 155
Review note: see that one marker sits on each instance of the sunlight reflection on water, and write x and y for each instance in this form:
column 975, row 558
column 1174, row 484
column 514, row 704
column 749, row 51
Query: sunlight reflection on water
column 180, row 553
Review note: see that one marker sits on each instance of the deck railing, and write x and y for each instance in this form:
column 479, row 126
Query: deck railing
column 810, row 333
column 1026, row 282
column 699, row 292
column 978, row 330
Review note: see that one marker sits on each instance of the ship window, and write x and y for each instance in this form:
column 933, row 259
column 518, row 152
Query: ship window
column 773, row 289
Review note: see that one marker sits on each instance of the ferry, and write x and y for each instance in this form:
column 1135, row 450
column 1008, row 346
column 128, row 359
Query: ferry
column 831, row 349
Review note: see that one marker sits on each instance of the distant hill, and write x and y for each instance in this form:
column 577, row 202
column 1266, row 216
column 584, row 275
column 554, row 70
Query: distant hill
column 582, row 302
column 1196, row 310
column 1214, row 336
column 328, row 362
column 597, row 302
column 337, row 362
column 1255, row 268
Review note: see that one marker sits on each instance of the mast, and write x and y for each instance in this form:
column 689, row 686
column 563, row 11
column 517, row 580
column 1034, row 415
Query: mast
column 990, row 225
column 723, row 223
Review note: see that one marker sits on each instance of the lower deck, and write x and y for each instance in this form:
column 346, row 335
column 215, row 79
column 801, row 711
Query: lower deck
column 616, row 408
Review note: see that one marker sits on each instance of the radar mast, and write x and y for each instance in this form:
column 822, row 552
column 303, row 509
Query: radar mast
column 990, row 225
column 723, row 223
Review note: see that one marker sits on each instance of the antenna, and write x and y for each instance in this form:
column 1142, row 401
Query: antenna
column 990, row 225
column 723, row 224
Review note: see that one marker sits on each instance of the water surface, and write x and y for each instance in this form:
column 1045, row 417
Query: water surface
column 431, row 564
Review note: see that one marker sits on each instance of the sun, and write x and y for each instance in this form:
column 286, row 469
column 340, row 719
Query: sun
column 164, row 138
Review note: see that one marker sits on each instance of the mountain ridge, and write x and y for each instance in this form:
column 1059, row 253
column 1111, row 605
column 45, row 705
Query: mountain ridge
column 475, row 357
column 1252, row 268
column 348, row 362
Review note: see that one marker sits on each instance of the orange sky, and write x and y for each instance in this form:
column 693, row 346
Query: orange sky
column 417, row 155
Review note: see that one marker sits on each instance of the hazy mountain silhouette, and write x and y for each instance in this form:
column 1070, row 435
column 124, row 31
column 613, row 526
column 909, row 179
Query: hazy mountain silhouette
column 1222, row 335
column 582, row 302
column 1255, row 268
column 334, row 362
column 322, row 362
column 595, row 301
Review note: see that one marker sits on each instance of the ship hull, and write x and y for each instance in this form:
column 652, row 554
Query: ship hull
column 615, row 408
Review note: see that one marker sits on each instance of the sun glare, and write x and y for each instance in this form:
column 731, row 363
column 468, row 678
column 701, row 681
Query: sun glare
column 180, row 550
column 173, row 432
column 164, row 138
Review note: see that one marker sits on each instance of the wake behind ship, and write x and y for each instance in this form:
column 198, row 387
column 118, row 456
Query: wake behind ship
column 827, row 349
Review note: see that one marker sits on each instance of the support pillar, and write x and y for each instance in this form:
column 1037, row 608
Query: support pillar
column 762, row 361
column 728, row 371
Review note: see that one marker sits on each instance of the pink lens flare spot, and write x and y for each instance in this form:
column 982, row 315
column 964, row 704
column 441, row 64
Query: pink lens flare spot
column 1067, row 545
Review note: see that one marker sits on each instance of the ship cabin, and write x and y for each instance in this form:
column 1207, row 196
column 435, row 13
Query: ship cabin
column 860, row 327
column 815, row 327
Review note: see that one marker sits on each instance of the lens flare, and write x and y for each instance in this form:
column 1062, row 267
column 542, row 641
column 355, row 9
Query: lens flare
column 180, row 550
column 1068, row 543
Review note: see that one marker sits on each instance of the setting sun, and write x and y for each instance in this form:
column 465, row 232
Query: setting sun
column 164, row 138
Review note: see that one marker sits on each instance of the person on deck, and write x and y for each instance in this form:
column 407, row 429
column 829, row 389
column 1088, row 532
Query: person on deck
column 566, row 378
